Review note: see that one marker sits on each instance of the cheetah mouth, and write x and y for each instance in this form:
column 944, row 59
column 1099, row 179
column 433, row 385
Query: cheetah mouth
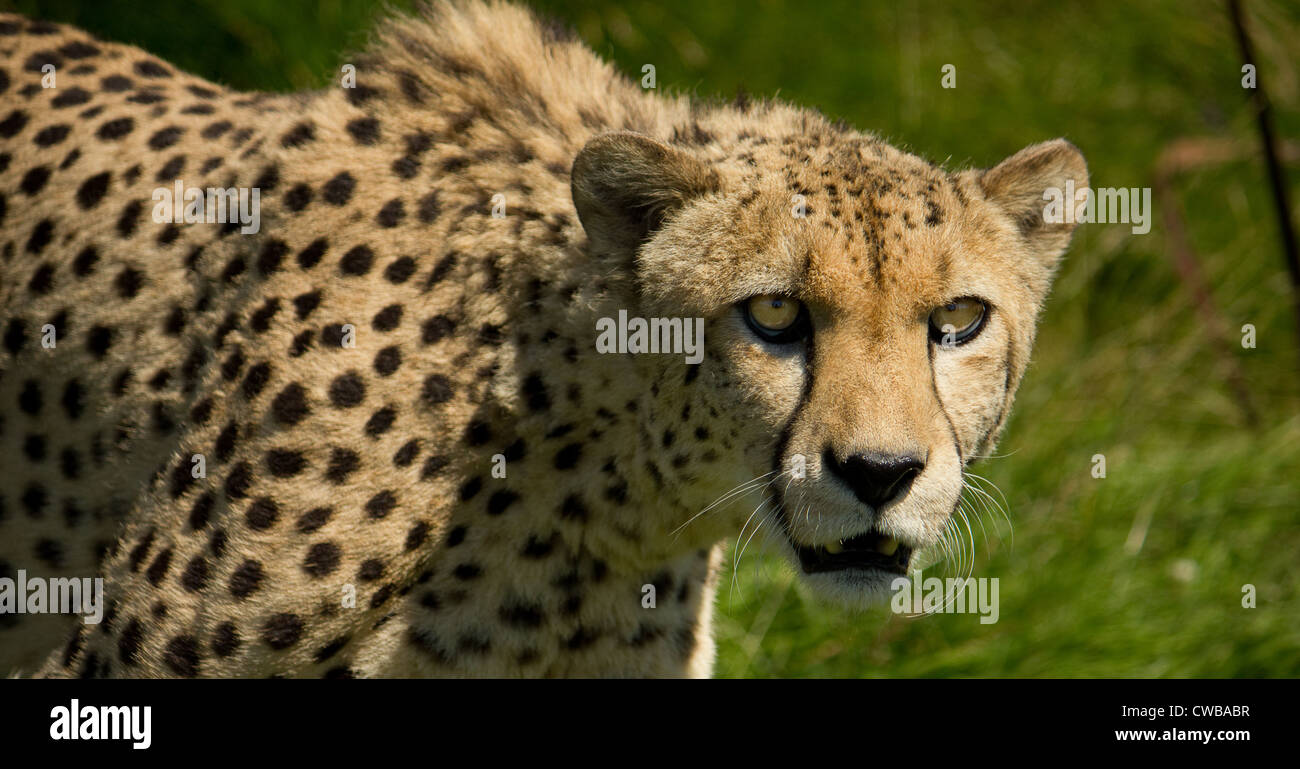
column 863, row 552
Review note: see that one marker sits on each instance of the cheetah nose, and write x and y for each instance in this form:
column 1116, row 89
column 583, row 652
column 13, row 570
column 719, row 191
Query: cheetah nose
column 875, row 478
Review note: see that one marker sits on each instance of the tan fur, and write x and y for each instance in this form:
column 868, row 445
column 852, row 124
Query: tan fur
column 682, row 210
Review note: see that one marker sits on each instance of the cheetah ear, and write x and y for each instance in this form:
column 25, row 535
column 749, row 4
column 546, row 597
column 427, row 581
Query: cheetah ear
column 1019, row 186
column 625, row 184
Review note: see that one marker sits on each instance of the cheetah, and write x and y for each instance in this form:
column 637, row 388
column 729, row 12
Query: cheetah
column 372, row 435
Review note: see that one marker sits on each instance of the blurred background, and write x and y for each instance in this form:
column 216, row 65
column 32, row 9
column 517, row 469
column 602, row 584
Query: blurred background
column 1140, row 573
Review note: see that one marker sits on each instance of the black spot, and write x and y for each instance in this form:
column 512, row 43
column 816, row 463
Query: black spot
column 573, row 509
column 128, row 283
column 269, row 178
column 282, row 630
column 436, row 328
column 70, row 97
column 158, row 569
column 116, row 129
column 34, row 180
column 165, row 137
column 272, row 255
column 467, row 571
column 306, row 303
column 246, row 579
column 535, row 394
column 470, row 488
column 514, row 451
column 42, row 280
column 500, row 500
column 429, row 207
column 343, row 462
column 151, row 68
column 217, row 542
column 536, row 547
column 381, row 504
column 262, row 514
column 15, row 335
column 99, row 340
column 284, row 463
column 433, row 466
column 49, row 552
column 391, row 214
column 298, row 197
column 522, row 615
column 567, row 457
column 237, row 483
column 381, row 596
column 12, row 124
column 407, row 453
column 216, row 130
column 371, row 570
column 233, row 364
column 260, row 320
column 322, row 559
column 234, row 269
column 364, row 130
column 290, row 405
column 52, row 135
column 128, row 644
column 84, row 264
column 347, row 390
column 225, row 640
column 438, row 389
column 182, row 478
column 74, row 399
column 201, row 512
column 299, row 135
column 311, row 255
column 388, row 318
column 380, row 422
column 130, row 218
column 195, row 575
column 330, row 649
column 406, row 167
column 442, row 269
column 182, row 656
column 201, row 412
column 172, row 170
column 313, row 519
column 357, row 261
column 36, row 61
column 34, row 447
column 116, row 84
column 387, row 360
column 478, row 433
column 338, row 191
column 256, row 380
column 400, row 270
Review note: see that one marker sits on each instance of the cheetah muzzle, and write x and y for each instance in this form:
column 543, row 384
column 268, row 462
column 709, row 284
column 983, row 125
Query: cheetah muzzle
column 375, row 437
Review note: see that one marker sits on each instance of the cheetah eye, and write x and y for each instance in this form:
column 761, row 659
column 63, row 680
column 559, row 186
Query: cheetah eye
column 957, row 322
column 776, row 319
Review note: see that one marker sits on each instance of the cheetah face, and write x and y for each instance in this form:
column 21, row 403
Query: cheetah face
column 869, row 318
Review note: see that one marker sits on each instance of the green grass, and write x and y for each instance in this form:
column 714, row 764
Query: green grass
column 1136, row 574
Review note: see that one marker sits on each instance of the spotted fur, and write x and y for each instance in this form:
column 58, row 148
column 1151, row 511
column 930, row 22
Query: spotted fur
column 368, row 468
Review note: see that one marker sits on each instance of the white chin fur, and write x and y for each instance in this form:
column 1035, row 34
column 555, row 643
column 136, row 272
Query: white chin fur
column 852, row 589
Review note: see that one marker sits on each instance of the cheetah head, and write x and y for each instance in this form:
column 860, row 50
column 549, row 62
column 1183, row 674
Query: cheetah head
column 868, row 319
